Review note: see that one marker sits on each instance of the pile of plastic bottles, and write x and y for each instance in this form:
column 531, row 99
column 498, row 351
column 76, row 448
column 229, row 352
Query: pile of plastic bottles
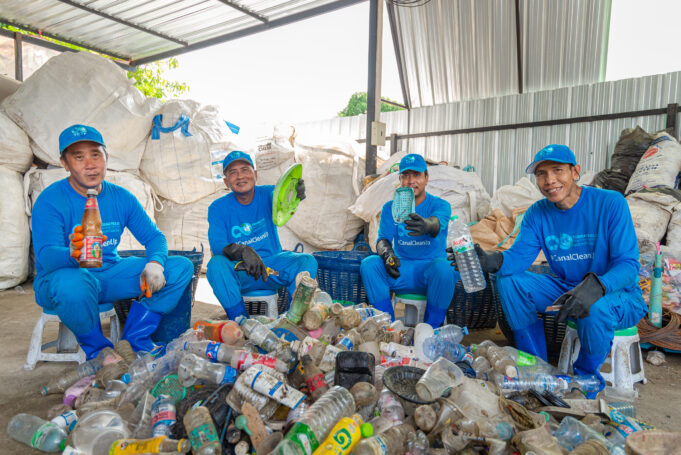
column 323, row 378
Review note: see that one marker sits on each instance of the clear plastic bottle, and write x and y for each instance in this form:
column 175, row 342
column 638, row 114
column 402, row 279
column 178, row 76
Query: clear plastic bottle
column 273, row 387
column 391, row 442
column 202, row 433
column 502, row 361
column 163, row 415
column 494, row 428
column 243, row 360
column 417, row 443
column 37, row 433
column 344, row 436
column 459, row 238
column 525, row 381
column 451, row 332
column 481, row 366
column 366, row 313
column 315, row 425
column 439, row 378
column 389, row 406
column 571, row 433
column 97, row 430
column 193, row 367
column 393, row 349
column 59, row 384
column 315, row 316
column 258, row 333
column 625, row 407
column 434, row 347
column 66, row 420
column 350, row 341
column 481, row 348
column 380, row 424
column 529, row 362
column 388, row 362
column 211, row 350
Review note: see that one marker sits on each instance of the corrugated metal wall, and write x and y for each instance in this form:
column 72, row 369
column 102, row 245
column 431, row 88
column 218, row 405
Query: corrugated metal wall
column 500, row 157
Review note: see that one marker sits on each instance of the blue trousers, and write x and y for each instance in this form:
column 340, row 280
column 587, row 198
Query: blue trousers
column 525, row 294
column 75, row 293
column 228, row 284
column 435, row 278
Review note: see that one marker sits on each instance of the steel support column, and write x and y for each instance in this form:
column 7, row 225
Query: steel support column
column 374, row 78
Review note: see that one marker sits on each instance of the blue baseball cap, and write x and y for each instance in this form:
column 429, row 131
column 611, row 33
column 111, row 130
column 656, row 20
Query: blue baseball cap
column 413, row 162
column 554, row 152
column 236, row 155
column 78, row 133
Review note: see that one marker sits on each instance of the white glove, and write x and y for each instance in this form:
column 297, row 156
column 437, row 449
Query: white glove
column 153, row 276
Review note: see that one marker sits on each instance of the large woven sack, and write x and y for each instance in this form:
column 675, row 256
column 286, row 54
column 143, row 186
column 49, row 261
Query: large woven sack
column 650, row 212
column 87, row 89
column 183, row 155
column 15, row 238
column 36, row 180
column 15, row 153
column 522, row 193
column 674, row 229
column 659, row 166
column 631, row 145
column 273, row 155
column 333, row 169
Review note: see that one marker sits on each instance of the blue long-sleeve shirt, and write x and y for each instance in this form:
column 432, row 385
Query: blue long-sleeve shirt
column 417, row 247
column 595, row 235
column 230, row 221
column 59, row 208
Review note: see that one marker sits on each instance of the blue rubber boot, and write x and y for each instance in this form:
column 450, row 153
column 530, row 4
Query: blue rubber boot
column 531, row 339
column 93, row 341
column 139, row 326
column 386, row 306
column 587, row 364
column 237, row 310
column 435, row 316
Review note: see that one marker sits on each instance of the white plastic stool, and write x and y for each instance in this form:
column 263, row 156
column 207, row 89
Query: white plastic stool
column 625, row 360
column 269, row 297
column 414, row 308
column 68, row 349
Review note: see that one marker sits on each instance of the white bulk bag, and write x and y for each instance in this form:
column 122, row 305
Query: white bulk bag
column 15, row 238
column 86, row 89
column 273, row 155
column 15, row 153
column 333, row 169
column 522, row 193
column 659, row 166
column 183, row 156
column 650, row 212
column 674, row 229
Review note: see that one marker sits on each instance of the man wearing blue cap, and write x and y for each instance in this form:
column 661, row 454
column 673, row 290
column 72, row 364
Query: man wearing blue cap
column 75, row 293
column 588, row 237
column 418, row 263
column 241, row 230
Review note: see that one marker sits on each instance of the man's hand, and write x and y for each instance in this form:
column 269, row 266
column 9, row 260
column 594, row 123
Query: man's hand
column 489, row 262
column 253, row 263
column 76, row 242
column 576, row 302
column 390, row 260
column 152, row 278
column 300, row 189
column 417, row 225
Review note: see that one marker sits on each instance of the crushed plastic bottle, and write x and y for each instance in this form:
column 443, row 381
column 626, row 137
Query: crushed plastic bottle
column 571, row 433
column 435, row 347
column 202, row 432
column 193, row 368
column 258, row 333
column 391, row 442
column 37, row 433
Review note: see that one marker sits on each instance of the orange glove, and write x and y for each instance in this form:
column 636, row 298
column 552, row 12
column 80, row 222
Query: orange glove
column 76, row 239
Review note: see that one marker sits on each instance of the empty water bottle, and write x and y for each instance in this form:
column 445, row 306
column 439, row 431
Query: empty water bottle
column 529, row 362
column 202, row 432
column 502, row 361
column 258, row 333
column 37, row 433
column 211, row 350
column 390, row 407
column 391, row 442
column 163, row 415
column 459, row 238
column 59, row 384
column 193, row 368
column 434, row 347
column 571, row 433
column 525, row 381
column 403, row 203
column 451, row 332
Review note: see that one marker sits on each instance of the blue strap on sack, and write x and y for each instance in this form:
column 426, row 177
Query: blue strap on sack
column 182, row 124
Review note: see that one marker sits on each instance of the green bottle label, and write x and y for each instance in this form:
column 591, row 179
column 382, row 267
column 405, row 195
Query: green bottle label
column 40, row 434
column 525, row 359
column 302, row 435
column 203, row 435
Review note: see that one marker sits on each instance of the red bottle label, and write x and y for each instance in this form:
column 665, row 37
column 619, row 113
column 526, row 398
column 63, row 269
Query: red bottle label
column 316, row 382
column 92, row 249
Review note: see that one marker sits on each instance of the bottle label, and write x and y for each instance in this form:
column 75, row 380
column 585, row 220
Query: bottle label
column 203, row 435
column 302, row 435
column 41, row 434
column 67, row 420
column 467, row 357
column 462, row 244
column 212, row 350
column 92, row 249
column 134, row 446
column 316, row 382
column 91, row 203
column 230, row 375
column 379, row 446
column 248, row 359
column 347, row 342
column 525, row 359
column 166, row 412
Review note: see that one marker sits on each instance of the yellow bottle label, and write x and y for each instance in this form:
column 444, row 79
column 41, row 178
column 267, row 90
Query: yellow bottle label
column 135, row 446
column 344, row 436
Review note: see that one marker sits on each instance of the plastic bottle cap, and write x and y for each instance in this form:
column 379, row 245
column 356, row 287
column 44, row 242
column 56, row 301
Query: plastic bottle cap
column 367, row 430
column 126, row 378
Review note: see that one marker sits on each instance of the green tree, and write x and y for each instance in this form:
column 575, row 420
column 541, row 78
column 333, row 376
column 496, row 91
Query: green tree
column 358, row 105
column 151, row 81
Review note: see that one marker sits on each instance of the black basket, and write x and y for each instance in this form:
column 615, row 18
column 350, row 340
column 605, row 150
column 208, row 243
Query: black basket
column 476, row 310
column 338, row 273
column 553, row 330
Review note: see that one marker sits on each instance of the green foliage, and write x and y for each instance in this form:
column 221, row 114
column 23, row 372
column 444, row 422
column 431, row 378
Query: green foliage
column 149, row 79
column 358, row 105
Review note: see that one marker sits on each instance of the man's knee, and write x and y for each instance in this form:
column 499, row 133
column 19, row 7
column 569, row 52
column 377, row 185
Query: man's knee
column 73, row 286
column 180, row 269
column 217, row 266
column 307, row 262
column 371, row 265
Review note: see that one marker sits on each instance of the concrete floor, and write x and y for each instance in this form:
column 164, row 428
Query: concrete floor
column 658, row 403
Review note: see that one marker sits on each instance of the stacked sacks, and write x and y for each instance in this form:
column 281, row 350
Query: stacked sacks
column 15, row 237
column 273, row 155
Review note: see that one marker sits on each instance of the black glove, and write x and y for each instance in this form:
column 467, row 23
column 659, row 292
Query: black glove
column 489, row 262
column 418, row 225
column 577, row 301
column 251, row 260
column 300, row 189
column 391, row 262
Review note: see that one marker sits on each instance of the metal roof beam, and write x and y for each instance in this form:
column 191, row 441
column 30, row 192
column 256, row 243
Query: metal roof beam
column 245, row 10
column 49, row 45
column 312, row 12
column 124, row 22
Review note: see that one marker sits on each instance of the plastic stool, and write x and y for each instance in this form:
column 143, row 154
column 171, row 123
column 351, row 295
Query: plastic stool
column 414, row 308
column 68, row 349
column 625, row 360
column 267, row 296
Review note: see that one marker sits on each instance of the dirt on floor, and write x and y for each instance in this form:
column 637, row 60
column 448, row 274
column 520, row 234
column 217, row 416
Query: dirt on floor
column 658, row 402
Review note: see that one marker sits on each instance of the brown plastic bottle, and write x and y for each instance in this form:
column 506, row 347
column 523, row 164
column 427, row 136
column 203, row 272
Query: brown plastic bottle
column 91, row 253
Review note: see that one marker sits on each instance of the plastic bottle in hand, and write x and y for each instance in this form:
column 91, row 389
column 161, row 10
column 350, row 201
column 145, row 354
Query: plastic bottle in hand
column 391, row 442
column 389, row 406
column 37, row 433
column 459, row 238
column 193, row 368
column 258, row 333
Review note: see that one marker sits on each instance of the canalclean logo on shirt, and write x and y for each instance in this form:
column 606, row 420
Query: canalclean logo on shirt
column 248, row 229
column 244, row 229
column 564, row 242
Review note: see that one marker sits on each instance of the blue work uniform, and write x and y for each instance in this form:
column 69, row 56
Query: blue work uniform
column 230, row 221
column 75, row 293
column 595, row 235
column 424, row 268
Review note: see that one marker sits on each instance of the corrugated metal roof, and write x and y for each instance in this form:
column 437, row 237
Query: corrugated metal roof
column 139, row 30
column 453, row 50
